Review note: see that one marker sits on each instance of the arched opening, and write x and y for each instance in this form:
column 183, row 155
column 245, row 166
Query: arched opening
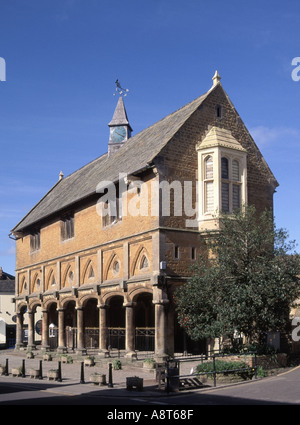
column 70, row 325
column 53, row 326
column 91, row 324
column 116, row 323
column 144, row 322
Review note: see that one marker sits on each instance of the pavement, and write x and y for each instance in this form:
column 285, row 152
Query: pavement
column 72, row 375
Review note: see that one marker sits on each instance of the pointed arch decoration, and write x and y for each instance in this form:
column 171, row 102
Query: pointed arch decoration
column 36, row 283
column 51, row 281
column 24, row 285
column 89, row 274
column 113, row 267
column 141, row 262
column 68, row 277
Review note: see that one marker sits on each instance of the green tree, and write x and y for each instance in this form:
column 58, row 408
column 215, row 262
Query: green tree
column 248, row 284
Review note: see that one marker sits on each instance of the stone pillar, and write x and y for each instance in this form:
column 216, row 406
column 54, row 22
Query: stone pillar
column 19, row 333
column 103, row 331
column 80, row 332
column 160, row 329
column 45, row 331
column 130, row 331
column 31, row 345
column 61, row 332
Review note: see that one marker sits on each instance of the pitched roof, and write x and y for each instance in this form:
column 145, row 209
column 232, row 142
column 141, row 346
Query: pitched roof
column 7, row 282
column 135, row 155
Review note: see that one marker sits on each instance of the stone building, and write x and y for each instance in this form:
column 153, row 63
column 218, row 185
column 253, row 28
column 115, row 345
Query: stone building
column 7, row 310
column 104, row 250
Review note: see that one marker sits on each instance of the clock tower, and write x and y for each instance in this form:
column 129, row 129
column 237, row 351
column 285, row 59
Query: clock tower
column 120, row 129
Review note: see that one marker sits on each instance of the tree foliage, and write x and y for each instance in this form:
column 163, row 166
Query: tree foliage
column 247, row 284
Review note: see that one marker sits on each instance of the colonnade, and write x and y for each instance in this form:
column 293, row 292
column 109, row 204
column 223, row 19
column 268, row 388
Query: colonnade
column 160, row 317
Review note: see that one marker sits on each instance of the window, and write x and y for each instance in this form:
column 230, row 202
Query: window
column 193, row 253
column 231, row 185
column 38, row 284
column 52, row 281
column 91, row 273
column 144, row 262
column 35, row 241
column 70, row 277
column 113, row 212
column 218, row 111
column 67, row 228
column 176, row 252
column 116, row 268
column 209, row 184
column 222, row 171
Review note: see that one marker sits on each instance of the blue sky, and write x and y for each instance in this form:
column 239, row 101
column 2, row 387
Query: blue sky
column 63, row 57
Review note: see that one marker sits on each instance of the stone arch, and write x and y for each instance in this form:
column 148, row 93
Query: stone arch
column 63, row 303
column 83, row 300
column 21, row 308
column 34, row 303
column 106, row 297
column 137, row 291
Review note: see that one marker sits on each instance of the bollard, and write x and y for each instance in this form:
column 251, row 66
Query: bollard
column 59, row 379
column 214, row 371
column 41, row 370
column 23, row 368
column 110, row 381
column 6, row 368
column 82, row 373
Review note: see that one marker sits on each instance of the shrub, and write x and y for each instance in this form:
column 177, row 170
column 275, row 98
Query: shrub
column 240, row 368
column 117, row 365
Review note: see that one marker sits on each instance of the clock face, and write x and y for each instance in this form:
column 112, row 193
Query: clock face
column 118, row 134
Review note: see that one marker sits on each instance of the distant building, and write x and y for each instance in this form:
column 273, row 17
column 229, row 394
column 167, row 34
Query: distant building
column 7, row 310
column 102, row 253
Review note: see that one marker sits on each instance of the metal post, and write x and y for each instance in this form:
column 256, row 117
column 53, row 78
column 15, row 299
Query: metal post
column 110, row 381
column 214, row 370
column 255, row 366
column 59, row 372
column 23, row 368
column 82, row 373
column 41, row 370
column 6, row 368
column 168, row 379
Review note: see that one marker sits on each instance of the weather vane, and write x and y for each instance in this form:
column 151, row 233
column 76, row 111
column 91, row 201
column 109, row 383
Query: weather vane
column 120, row 90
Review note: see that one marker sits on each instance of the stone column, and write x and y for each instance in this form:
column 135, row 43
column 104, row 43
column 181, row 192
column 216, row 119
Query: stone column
column 45, row 331
column 31, row 345
column 130, row 331
column 19, row 333
column 160, row 329
column 61, row 332
column 80, row 332
column 103, row 331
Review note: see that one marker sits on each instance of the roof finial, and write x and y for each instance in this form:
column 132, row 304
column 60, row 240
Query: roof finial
column 216, row 78
column 61, row 175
